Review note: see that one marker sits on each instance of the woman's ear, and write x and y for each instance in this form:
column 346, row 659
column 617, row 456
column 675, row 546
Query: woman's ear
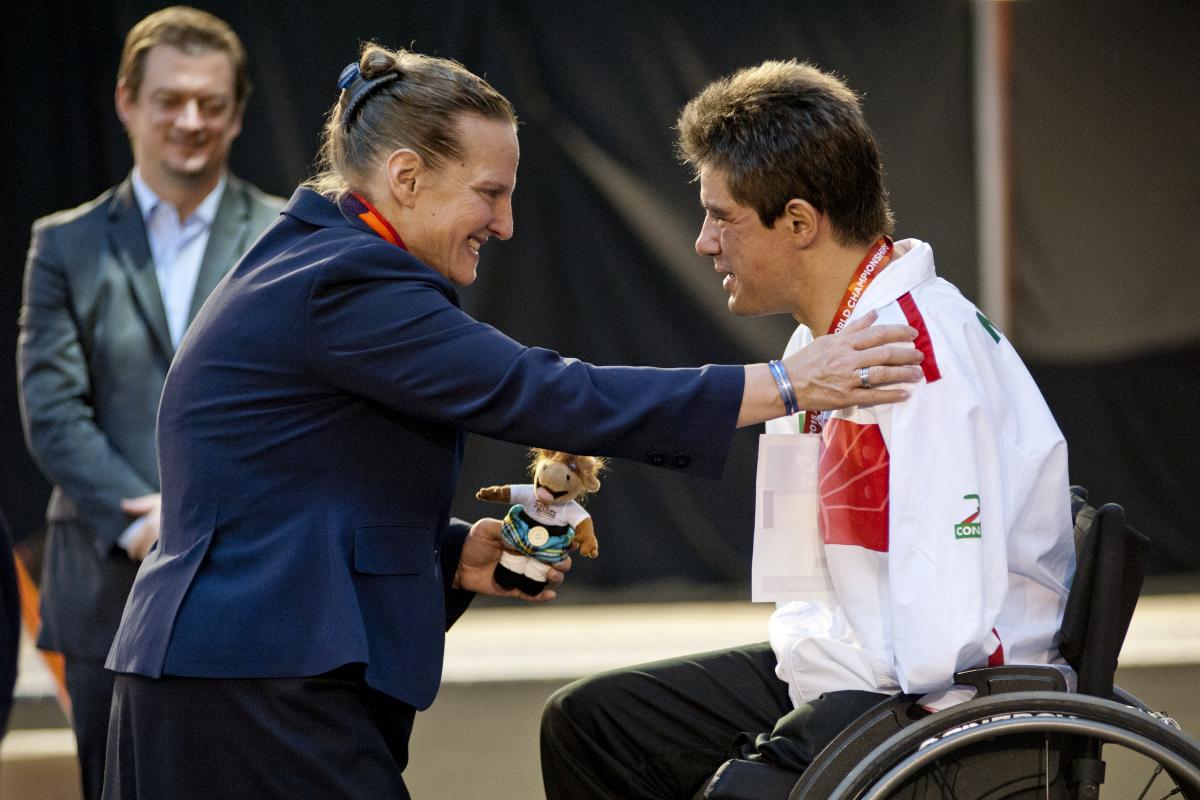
column 803, row 221
column 403, row 168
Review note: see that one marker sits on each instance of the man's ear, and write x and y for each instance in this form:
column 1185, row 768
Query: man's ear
column 235, row 129
column 803, row 221
column 122, row 100
column 404, row 167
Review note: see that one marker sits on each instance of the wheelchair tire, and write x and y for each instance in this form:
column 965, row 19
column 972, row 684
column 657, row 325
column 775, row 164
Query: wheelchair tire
column 1087, row 717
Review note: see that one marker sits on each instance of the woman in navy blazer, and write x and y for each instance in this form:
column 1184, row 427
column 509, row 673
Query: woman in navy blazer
column 280, row 639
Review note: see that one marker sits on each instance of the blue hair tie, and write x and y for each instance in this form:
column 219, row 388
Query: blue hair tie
column 351, row 81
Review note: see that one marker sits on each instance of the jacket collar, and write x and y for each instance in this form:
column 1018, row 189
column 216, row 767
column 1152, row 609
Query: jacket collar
column 314, row 208
column 128, row 242
column 228, row 236
column 911, row 266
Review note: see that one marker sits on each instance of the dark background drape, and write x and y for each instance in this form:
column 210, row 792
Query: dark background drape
column 1106, row 169
column 602, row 266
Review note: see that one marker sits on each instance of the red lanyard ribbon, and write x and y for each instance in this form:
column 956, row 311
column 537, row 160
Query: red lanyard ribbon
column 377, row 222
column 871, row 265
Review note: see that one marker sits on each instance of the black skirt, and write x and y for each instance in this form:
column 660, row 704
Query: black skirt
column 212, row 738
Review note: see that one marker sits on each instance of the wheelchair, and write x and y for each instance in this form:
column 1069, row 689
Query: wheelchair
column 1023, row 736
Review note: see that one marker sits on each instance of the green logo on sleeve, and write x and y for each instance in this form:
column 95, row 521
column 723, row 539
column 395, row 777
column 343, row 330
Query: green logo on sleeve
column 969, row 528
column 992, row 330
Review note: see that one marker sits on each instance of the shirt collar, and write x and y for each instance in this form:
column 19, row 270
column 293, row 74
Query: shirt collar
column 148, row 200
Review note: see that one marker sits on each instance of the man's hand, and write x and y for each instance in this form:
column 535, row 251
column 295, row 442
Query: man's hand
column 826, row 374
column 480, row 554
column 149, row 508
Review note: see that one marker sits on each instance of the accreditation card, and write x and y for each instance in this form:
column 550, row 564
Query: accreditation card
column 789, row 555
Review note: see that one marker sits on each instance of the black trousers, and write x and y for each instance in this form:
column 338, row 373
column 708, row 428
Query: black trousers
column 325, row 736
column 660, row 730
column 90, row 687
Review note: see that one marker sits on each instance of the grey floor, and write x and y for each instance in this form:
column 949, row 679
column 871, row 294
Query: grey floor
column 479, row 741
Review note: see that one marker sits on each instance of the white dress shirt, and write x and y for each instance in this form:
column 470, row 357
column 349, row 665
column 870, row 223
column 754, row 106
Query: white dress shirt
column 177, row 248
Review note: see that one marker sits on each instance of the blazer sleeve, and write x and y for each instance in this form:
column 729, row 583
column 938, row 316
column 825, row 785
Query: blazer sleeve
column 55, row 384
column 384, row 328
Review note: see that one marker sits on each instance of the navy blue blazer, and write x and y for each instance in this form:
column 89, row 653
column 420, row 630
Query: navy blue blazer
column 310, row 437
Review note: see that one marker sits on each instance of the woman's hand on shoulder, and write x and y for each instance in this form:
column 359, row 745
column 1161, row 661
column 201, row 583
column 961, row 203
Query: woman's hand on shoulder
column 828, row 373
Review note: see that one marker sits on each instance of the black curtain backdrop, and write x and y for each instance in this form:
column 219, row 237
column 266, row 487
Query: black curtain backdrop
column 1106, row 167
column 602, row 266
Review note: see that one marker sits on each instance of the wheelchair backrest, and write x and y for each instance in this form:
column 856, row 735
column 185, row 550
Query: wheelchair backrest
column 1110, row 566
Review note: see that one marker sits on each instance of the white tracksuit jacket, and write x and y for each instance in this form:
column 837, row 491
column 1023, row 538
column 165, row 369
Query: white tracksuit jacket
column 946, row 518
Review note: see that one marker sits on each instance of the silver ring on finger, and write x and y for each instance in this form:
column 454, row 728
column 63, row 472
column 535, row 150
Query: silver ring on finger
column 864, row 377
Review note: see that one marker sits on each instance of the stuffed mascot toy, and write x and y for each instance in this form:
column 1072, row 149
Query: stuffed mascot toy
column 545, row 518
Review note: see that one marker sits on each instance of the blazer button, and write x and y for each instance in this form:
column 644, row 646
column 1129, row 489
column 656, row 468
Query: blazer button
column 656, row 458
column 683, row 460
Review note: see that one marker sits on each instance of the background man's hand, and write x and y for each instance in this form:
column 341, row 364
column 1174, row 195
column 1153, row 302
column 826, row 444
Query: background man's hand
column 149, row 508
column 480, row 554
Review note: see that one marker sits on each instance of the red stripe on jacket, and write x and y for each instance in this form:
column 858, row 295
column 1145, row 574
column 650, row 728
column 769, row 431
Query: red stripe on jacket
column 923, row 343
column 853, row 483
column 996, row 659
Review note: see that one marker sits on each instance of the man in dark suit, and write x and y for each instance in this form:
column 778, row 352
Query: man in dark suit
column 110, row 287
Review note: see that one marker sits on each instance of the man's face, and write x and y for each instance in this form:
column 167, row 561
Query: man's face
column 185, row 116
column 757, row 262
column 466, row 201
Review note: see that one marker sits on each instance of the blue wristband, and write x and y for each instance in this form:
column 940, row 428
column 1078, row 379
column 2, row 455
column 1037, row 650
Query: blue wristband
column 790, row 404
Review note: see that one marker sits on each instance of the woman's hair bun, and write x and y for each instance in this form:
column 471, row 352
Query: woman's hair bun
column 390, row 99
column 377, row 61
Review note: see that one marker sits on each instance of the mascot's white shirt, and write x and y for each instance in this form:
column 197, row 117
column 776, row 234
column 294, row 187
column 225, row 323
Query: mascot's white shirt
column 568, row 513
column 946, row 518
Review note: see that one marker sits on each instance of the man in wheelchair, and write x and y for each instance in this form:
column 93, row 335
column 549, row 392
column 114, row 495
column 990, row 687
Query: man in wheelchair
column 945, row 518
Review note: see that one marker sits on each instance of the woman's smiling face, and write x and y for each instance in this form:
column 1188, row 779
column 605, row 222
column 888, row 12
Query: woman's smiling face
column 466, row 201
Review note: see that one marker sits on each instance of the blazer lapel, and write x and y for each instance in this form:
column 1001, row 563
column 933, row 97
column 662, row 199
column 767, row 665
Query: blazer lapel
column 225, row 242
column 127, row 238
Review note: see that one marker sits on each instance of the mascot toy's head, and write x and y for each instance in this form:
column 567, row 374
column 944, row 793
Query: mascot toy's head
column 561, row 477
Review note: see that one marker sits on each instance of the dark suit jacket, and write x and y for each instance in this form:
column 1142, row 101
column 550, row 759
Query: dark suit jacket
column 310, row 438
column 93, row 353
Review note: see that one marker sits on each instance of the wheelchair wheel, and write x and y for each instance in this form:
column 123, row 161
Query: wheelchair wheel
column 933, row 758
